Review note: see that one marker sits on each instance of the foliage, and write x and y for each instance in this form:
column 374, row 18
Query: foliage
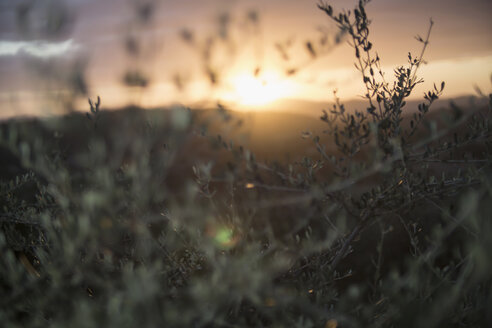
column 115, row 224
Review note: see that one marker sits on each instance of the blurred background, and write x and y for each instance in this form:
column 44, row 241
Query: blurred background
column 248, row 55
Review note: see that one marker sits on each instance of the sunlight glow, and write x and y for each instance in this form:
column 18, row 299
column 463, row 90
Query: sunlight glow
column 249, row 90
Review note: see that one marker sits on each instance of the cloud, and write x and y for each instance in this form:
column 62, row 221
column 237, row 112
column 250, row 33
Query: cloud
column 40, row 49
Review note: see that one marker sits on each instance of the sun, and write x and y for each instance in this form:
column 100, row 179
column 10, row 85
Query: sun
column 252, row 91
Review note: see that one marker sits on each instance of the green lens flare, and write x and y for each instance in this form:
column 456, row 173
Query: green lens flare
column 224, row 236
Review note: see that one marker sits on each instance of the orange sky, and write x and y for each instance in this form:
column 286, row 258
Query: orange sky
column 460, row 52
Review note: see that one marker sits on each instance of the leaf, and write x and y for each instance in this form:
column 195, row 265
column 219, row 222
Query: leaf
column 257, row 71
column 291, row 71
column 310, row 48
column 187, row 36
column 306, row 134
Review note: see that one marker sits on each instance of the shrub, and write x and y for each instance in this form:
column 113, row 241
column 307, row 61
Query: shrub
column 116, row 224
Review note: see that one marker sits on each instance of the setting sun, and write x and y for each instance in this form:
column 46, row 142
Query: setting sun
column 249, row 90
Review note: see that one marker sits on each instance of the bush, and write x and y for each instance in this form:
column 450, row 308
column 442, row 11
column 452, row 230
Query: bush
column 122, row 224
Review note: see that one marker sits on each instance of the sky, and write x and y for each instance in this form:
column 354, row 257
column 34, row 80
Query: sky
column 49, row 48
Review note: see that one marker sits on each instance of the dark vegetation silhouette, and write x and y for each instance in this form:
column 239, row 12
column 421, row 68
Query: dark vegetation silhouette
column 152, row 218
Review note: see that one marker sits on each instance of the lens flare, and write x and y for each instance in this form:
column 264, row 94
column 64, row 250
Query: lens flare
column 223, row 237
